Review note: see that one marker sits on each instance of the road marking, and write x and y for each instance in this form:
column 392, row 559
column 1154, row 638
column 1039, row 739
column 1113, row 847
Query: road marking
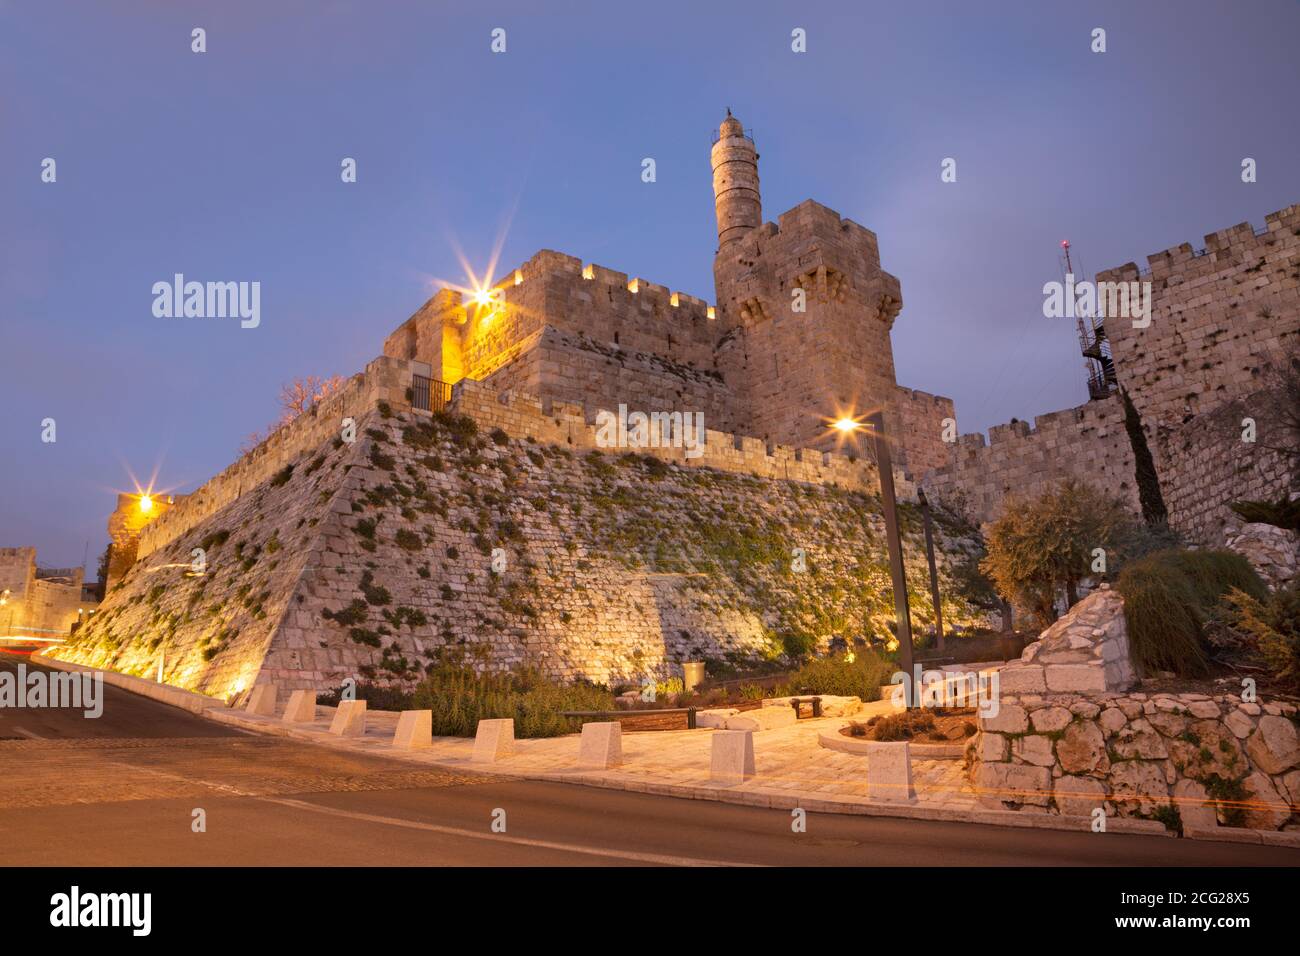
column 27, row 733
column 503, row 838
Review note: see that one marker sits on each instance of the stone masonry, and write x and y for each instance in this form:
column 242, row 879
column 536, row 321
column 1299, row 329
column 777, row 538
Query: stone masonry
column 1220, row 315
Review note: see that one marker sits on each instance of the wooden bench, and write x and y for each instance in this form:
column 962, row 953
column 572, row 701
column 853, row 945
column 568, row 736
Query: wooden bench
column 667, row 718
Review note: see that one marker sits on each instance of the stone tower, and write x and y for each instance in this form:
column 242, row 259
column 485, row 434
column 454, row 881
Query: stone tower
column 735, row 182
column 805, row 311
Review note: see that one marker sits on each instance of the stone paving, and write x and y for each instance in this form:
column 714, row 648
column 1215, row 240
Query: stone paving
column 792, row 769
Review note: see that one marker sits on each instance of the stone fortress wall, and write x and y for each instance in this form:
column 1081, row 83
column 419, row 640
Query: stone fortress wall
column 520, row 415
column 1218, row 316
column 1019, row 461
column 799, row 338
column 40, row 602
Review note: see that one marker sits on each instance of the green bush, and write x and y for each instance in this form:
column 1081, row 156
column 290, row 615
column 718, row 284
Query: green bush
column 837, row 676
column 1168, row 598
column 1273, row 625
column 460, row 697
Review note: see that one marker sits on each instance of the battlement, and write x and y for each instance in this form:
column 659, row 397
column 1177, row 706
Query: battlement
column 384, row 379
column 1240, row 245
column 525, row 416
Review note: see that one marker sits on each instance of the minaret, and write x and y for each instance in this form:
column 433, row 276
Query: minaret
column 735, row 182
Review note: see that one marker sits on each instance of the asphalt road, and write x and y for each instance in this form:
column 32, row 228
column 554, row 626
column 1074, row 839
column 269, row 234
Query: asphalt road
column 126, row 789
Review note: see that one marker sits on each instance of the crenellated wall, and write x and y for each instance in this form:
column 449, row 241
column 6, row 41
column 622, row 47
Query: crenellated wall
column 1217, row 316
column 1088, row 442
column 384, row 379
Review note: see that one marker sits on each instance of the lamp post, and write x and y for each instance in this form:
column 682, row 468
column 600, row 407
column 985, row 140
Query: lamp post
column 934, row 574
column 885, row 465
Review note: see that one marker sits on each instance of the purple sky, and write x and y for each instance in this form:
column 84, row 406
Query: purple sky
column 225, row 166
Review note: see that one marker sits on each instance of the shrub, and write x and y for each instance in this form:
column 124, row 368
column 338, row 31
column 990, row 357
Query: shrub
column 460, row 697
column 1273, row 626
column 1169, row 596
column 282, row 476
column 376, row 696
column 839, row 677
column 1044, row 544
column 408, row 540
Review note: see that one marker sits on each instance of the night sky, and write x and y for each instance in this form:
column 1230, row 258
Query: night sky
column 225, row 166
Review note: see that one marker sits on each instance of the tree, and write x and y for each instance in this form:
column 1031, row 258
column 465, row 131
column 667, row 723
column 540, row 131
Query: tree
column 296, row 397
column 1041, row 546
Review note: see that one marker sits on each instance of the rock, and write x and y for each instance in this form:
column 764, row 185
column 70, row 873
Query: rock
column 1131, row 708
column 1271, row 550
column 1208, row 749
column 1011, row 786
column 992, row 748
column 714, row 718
column 1171, row 725
column 761, row 718
column 1267, row 809
column 1050, row 719
column 1290, row 788
column 1194, row 805
column 1203, row 708
column 1275, row 745
column 1139, row 741
column 1082, row 748
column 1078, row 796
column 1085, row 709
column 1033, row 749
column 1138, row 787
column 1111, row 720
column 1010, row 719
column 1241, row 725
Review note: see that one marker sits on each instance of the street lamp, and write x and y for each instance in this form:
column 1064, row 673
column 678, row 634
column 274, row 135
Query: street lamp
column 885, row 465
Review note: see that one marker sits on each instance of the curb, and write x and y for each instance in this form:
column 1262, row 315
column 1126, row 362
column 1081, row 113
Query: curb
column 192, row 701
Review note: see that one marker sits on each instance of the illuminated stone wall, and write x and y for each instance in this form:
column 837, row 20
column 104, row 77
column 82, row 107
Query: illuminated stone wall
column 367, row 560
column 40, row 603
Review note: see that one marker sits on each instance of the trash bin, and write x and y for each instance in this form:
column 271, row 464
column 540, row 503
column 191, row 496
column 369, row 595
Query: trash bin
column 693, row 675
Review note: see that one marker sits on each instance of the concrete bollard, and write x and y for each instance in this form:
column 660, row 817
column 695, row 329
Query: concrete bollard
column 889, row 773
column 732, row 758
column 262, row 700
column 493, row 740
column 414, row 730
column 602, row 746
column 301, row 708
column 350, row 719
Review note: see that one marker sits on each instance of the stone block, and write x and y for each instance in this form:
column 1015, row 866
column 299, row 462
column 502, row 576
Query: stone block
column 1078, row 796
column 301, row 708
column 731, row 758
column 262, row 700
column 1027, row 679
column 1006, row 785
column 714, row 718
column 1085, row 678
column 889, row 773
column 1194, row 805
column 495, row 740
column 601, row 747
column 350, row 719
column 763, row 718
column 1010, row 719
column 414, row 730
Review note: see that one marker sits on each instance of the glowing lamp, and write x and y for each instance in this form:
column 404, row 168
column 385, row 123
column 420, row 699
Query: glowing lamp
column 847, row 425
column 146, row 504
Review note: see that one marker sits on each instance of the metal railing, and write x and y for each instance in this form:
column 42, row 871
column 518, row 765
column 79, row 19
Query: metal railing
column 429, row 394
